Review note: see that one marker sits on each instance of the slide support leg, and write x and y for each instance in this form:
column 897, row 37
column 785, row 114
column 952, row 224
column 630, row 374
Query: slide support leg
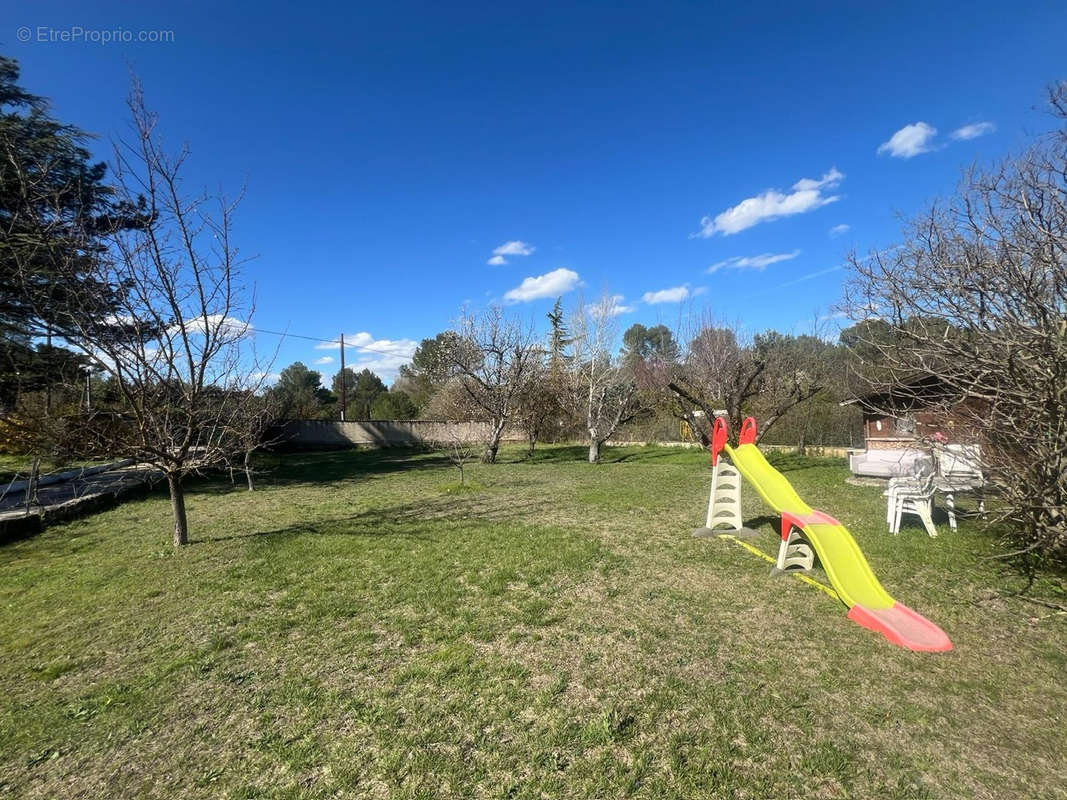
column 794, row 554
column 783, row 549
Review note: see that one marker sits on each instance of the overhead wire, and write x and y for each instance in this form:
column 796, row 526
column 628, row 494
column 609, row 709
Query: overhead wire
column 328, row 341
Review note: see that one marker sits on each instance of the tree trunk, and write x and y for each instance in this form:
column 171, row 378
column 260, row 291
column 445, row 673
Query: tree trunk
column 177, row 505
column 491, row 446
column 735, row 419
column 248, row 470
column 594, row 450
column 533, row 443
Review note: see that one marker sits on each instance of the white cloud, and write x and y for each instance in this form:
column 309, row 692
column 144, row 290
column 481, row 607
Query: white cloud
column 909, row 141
column 323, row 360
column 806, row 195
column 216, row 323
column 557, row 282
column 832, row 316
column 839, row 230
column 972, row 131
column 383, row 356
column 752, row 262
column 675, row 295
column 385, row 367
column 827, row 181
column 119, row 319
column 364, row 342
column 612, row 307
column 516, row 247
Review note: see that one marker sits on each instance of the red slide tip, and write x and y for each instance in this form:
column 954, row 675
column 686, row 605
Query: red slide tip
column 903, row 627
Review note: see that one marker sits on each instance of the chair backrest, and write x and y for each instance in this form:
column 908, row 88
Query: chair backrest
column 921, row 479
column 925, row 472
column 906, row 462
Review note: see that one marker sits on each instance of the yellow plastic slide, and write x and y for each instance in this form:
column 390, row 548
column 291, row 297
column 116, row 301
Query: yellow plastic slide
column 849, row 573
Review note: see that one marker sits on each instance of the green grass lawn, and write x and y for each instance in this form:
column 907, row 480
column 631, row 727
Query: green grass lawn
column 357, row 627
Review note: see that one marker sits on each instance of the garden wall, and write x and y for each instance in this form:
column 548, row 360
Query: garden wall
column 321, row 434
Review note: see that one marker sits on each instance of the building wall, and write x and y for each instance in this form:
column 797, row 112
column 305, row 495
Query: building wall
column 892, row 444
column 897, row 432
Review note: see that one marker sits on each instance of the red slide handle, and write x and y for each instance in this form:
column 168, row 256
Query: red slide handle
column 718, row 439
column 748, row 432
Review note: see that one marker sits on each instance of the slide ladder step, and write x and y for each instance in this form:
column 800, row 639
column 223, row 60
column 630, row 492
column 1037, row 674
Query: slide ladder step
column 724, row 503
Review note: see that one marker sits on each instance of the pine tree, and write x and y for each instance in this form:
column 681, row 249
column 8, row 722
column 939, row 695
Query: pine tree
column 558, row 341
column 55, row 212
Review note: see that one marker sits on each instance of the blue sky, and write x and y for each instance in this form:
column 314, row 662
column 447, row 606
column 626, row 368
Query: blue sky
column 391, row 151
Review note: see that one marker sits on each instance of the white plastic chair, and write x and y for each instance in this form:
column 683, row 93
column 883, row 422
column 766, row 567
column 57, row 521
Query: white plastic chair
column 912, row 495
column 906, row 475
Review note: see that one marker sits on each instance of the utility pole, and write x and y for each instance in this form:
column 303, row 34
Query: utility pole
column 343, row 398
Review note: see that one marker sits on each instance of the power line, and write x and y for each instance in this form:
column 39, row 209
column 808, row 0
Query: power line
column 295, row 335
column 328, row 341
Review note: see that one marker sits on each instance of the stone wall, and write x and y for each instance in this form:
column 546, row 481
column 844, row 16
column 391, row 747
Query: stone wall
column 315, row 434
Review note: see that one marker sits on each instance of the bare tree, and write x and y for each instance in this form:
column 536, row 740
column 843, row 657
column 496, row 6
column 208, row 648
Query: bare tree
column 602, row 389
column 459, row 449
column 249, row 431
column 768, row 376
column 975, row 296
column 178, row 349
column 492, row 359
column 540, row 411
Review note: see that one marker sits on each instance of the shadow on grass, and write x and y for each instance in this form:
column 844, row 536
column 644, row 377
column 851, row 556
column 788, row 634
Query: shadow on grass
column 569, row 454
column 553, row 454
column 673, row 455
column 400, row 520
column 329, row 466
column 766, row 519
column 790, row 462
column 908, row 522
column 336, row 465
